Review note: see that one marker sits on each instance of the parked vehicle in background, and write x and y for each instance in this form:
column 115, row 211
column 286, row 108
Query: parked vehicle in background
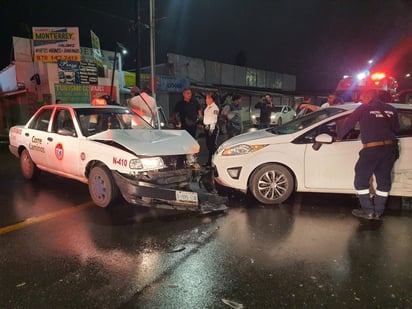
column 350, row 87
column 280, row 115
column 404, row 96
column 302, row 155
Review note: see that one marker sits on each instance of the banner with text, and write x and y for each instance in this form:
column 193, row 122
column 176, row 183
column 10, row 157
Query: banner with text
column 72, row 93
column 97, row 91
column 56, row 43
column 97, row 53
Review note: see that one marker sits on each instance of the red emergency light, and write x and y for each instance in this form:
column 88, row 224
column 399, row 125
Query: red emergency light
column 378, row 76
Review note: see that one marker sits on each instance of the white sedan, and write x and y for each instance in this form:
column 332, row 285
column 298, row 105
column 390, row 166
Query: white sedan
column 114, row 151
column 301, row 155
column 280, row 114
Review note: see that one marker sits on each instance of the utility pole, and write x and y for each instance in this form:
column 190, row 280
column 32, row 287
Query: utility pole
column 152, row 47
column 137, row 24
column 113, row 72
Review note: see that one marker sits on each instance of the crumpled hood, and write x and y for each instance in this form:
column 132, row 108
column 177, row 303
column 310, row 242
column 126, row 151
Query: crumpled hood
column 151, row 142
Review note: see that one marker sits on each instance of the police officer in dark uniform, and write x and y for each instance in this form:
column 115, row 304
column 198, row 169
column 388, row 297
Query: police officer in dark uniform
column 378, row 124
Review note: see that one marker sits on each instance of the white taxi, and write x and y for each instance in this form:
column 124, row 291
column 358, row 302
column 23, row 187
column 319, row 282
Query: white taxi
column 113, row 150
column 302, row 155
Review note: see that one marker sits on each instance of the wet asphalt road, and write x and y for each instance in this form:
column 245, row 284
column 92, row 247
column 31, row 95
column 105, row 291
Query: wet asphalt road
column 57, row 250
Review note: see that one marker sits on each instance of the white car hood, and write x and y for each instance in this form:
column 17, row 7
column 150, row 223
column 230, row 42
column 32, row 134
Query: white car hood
column 151, row 142
column 256, row 137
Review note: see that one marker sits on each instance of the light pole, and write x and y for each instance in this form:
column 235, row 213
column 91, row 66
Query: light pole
column 124, row 52
column 152, row 48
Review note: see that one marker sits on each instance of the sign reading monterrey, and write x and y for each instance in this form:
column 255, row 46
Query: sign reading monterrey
column 56, row 43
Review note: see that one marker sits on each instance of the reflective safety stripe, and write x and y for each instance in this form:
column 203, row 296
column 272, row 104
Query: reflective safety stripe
column 364, row 191
column 382, row 193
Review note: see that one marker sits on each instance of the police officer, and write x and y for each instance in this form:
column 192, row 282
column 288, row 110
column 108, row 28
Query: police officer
column 210, row 117
column 378, row 124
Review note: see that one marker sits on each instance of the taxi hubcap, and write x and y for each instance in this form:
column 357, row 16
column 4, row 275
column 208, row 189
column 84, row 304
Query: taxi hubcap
column 99, row 187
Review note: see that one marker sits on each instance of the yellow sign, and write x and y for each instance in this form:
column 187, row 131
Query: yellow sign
column 130, row 78
column 51, row 44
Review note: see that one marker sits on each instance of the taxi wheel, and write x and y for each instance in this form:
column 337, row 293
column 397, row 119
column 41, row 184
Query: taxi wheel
column 29, row 170
column 271, row 184
column 102, row 187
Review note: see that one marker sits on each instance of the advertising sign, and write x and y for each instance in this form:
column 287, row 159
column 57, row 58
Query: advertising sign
column 97, row 91
column 56, row 43
column 69, row 71
column 88, row 73
column 169, row 84
column 97, row 54
column 72, row 93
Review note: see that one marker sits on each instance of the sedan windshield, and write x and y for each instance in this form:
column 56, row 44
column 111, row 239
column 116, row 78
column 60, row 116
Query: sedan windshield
column 306, row 121
column 277, row 109
column 96, row 120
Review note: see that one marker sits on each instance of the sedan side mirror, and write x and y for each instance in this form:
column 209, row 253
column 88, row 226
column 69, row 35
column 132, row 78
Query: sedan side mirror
column 322, row 139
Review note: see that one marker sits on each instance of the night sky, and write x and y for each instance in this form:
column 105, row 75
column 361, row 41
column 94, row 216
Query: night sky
column 317, row 40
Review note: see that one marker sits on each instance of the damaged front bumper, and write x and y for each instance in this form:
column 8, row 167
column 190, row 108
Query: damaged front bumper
column 177, row 190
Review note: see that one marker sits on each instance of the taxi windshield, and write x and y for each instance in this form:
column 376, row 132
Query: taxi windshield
column 306, row 121
column 96, row 120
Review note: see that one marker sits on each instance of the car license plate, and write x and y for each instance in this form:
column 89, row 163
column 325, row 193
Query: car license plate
column 187, row 197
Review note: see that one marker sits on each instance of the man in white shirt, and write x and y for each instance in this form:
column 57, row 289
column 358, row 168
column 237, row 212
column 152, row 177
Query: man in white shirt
column 210, row 117
column 329, row 102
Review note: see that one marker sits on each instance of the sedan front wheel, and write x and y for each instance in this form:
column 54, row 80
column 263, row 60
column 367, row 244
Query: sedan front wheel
column 271, row 184
column 102, row 187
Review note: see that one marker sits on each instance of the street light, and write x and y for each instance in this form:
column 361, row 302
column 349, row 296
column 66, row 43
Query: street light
column 124, row 52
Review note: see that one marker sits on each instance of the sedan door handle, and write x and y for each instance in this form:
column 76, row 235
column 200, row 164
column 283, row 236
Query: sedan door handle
column 50, row 139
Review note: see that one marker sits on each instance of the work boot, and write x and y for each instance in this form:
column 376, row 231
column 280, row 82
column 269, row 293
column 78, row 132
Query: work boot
column 359, row 213
column 380, row 202
column 366, row 203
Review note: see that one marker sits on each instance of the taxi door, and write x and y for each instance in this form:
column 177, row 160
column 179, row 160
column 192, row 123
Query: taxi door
column 34, row 138
column 63, row 144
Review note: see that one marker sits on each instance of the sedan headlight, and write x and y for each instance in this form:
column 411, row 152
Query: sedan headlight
column 241, row 149
column 147, row 163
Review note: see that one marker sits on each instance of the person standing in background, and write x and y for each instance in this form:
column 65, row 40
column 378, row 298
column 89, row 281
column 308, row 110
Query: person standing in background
column 265, row 106
column 144, row 105
column 333, row 100
column 187, row 112
column 210, row 118
column 231, row 113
